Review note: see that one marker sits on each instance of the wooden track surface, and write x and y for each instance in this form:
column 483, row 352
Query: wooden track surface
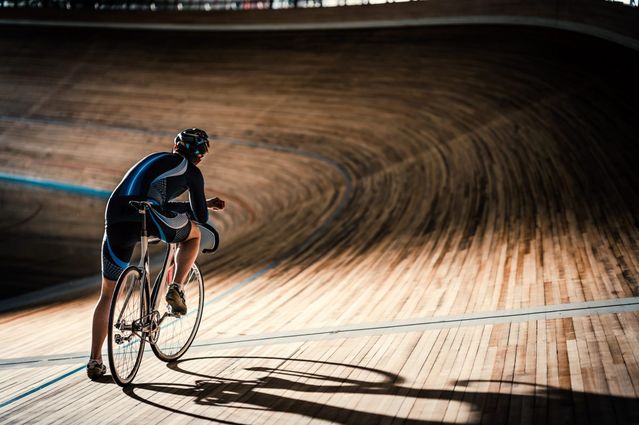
column 371, row 177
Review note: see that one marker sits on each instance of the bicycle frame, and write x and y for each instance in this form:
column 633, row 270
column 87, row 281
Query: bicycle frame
column 151, row 293
column 138, row 314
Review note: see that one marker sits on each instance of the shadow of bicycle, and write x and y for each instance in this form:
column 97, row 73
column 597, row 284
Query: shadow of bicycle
column 300, row 377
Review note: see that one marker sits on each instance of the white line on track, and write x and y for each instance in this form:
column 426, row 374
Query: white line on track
column 556, row 311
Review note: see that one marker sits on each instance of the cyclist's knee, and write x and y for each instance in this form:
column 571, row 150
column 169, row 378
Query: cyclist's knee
column 108, row 286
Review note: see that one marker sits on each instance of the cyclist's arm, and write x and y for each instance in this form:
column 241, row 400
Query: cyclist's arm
column 197, row 198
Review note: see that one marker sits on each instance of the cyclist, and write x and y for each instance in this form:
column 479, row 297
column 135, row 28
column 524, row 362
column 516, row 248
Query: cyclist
column 158, row 178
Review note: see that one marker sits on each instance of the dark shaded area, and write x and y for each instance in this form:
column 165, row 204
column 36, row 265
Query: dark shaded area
column 544, row 405
column 47, row 237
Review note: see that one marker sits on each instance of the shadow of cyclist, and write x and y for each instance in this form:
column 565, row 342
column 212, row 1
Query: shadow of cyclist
column 544, row 404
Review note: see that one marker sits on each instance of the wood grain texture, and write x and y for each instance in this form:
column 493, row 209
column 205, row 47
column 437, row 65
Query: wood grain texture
column 371, row 176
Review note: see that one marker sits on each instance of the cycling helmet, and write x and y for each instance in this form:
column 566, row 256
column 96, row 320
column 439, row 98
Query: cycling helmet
column 192, row 142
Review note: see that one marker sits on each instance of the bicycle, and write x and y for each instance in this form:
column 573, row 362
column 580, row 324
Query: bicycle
column 139, row 314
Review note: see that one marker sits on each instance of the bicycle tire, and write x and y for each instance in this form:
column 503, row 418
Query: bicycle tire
column 126, row 347
column 176, row 334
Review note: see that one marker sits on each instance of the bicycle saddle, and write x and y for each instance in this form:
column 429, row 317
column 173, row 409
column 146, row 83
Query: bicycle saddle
column 140, row 205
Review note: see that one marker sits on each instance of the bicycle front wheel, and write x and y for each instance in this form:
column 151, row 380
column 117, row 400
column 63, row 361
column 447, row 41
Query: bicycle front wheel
column 126, row 336
column 177, row 332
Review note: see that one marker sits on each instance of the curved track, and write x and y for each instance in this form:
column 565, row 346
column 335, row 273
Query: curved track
column 376, row 180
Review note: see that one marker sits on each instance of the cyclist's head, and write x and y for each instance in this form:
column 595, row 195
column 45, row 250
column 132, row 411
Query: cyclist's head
column 192, row 144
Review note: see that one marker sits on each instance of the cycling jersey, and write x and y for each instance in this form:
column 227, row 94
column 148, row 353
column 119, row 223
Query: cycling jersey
column 160, row 178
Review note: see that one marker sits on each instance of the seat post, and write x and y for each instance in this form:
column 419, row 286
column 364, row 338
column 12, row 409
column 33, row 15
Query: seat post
column 144, row 242
column 143, row 212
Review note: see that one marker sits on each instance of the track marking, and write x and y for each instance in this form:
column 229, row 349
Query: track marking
column 38, row 388
column 55, row 185
column 549, row 312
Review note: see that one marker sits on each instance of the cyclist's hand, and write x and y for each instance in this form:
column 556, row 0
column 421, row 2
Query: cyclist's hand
column 215, row 203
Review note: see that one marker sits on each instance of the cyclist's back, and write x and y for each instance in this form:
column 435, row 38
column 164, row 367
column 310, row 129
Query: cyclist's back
column 159, row 178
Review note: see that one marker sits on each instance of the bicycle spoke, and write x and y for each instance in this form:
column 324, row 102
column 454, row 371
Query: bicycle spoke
column 126, row 301
column 126, row 335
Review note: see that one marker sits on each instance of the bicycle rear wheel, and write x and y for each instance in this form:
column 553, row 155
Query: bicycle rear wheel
column 176, row 333
column 126, row 336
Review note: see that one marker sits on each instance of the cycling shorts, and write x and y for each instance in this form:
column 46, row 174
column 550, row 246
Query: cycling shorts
column 120, row 238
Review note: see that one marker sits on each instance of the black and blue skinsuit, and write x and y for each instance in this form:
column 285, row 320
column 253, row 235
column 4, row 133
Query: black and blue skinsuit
column 159, row 178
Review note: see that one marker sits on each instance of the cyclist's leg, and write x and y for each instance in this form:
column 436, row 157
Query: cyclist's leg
column 187, row 237
column 100, row 318
column 184, row 259
column 117, row 247
column 186, row 254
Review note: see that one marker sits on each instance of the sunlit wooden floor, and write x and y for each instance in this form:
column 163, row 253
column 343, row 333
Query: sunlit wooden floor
column 386, row 190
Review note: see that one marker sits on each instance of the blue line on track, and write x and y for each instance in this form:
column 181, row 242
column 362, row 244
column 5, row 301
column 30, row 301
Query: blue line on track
column 50, row 184
column 38, row 388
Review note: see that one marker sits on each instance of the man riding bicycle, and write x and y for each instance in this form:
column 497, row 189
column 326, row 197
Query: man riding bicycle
column 158, row 178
